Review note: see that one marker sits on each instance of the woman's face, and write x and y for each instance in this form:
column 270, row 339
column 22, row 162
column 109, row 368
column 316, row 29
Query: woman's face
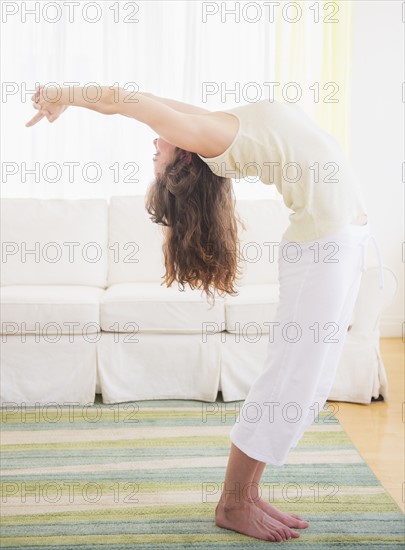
column 163, row 155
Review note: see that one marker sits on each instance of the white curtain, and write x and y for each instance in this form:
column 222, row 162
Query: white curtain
column 213, row 54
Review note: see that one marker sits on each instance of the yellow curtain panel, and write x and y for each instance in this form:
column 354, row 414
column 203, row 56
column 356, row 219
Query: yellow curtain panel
column 313, row 44
column 336, row 64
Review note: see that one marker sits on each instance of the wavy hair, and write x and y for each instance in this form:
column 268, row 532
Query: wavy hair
column 197, row 209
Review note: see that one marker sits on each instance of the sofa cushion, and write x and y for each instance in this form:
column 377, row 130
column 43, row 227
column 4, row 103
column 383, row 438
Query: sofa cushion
column 149, row 307
column 252, row 310
column 53, row 309
column 135, row 242
column 54, row 241
column 265, row 222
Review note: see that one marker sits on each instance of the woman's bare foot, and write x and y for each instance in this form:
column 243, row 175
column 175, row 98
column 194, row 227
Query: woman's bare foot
column 291, row 520
column 249, row 519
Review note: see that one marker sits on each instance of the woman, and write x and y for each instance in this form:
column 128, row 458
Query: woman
column 197, row 151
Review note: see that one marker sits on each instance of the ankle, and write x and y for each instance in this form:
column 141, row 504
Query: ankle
column 230, row 504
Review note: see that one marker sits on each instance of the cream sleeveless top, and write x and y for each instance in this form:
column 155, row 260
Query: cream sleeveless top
column 279, row 144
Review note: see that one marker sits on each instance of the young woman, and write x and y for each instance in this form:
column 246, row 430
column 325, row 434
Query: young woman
column 321, row 258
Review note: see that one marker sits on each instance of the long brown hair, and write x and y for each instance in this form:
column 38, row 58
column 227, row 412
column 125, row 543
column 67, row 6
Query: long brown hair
column 197, row 209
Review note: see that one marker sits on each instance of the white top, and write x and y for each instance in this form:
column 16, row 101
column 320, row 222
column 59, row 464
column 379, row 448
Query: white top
column 279, row 144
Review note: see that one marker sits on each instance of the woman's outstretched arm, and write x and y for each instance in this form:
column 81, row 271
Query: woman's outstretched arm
column 190, row 128
column 177, row 105
column 201, row 132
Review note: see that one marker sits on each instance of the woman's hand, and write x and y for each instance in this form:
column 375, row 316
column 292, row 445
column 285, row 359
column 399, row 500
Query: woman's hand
column 48, row 109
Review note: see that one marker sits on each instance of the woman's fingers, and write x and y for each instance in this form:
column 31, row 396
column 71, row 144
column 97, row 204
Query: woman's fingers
column 39, row 107
column 44, row 108
column 35, row 119
column 42, row 111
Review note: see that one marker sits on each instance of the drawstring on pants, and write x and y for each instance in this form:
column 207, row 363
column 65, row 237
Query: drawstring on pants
column 380, row 266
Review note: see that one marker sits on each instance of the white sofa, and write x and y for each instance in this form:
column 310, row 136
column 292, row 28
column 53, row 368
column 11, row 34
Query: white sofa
column 83, row 310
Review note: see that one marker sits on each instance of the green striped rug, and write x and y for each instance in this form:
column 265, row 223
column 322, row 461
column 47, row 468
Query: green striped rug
column 148, row 475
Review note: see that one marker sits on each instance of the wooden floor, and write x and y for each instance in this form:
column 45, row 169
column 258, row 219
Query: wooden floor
column 378, row 429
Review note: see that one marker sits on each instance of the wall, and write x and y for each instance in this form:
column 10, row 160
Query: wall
column 376, row 135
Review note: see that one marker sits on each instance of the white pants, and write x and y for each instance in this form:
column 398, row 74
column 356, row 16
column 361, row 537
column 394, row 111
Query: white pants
column 319, row 283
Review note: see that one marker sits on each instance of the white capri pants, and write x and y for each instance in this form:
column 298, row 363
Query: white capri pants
column 319, row 284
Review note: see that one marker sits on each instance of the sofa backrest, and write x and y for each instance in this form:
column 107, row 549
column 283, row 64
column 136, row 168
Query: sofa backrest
column 265, row 221
column 54, row 241
column 93, row 242
column 135, row 243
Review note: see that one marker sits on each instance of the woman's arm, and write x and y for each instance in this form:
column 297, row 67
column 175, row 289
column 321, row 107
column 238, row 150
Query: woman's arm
column 201, row 132
column 177, row 105
column 193, row 129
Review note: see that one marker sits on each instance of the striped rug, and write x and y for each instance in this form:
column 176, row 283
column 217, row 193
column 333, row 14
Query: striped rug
column 147, row 475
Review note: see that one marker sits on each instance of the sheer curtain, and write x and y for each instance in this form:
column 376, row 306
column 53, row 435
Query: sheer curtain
column 213, row 54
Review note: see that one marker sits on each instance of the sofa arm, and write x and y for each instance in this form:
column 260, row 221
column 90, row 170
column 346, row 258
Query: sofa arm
column 372, row 300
